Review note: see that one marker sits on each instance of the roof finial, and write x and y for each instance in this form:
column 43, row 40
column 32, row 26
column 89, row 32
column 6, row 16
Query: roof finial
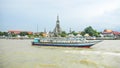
column 57, row 17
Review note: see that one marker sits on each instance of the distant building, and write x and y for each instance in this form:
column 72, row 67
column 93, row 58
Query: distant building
column 45, row 34
column 18, row 32
column 111, row 33
column 57, row 30
column 107, row 33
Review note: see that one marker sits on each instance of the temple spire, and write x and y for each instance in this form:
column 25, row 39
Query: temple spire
column 57, row 29
column 57, row 22
column 57, row 17
column 70, row 30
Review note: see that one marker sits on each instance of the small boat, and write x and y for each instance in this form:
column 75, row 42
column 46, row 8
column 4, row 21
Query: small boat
column 63, row 42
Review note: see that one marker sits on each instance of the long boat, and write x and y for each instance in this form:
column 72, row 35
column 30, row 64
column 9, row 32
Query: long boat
column 63, row 42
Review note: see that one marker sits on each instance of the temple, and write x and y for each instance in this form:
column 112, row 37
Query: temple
column 57, row 30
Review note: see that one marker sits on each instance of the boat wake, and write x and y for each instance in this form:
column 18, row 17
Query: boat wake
column 84, row 52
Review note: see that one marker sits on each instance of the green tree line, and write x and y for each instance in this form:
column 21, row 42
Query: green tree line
column 88, row 30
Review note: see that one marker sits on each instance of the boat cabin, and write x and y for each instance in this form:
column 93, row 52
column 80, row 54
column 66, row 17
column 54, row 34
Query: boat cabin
column 36, row 40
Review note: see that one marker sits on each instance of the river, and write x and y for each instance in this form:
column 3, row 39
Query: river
column 20, row 54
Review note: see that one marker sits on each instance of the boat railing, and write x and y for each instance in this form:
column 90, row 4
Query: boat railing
column 63, row 40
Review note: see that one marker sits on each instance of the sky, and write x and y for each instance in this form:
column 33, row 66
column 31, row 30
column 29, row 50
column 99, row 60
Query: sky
column 26, row 15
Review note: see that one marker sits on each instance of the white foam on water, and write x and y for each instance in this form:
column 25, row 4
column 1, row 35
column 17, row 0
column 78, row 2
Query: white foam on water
column 92, row 52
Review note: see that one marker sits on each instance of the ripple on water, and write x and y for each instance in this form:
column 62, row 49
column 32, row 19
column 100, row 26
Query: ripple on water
column 20, row 54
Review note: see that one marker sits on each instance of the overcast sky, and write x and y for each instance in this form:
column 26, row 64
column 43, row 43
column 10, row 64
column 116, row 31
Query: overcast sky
column 75, row 14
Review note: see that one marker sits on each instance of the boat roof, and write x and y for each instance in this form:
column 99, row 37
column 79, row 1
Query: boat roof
column 36, row 38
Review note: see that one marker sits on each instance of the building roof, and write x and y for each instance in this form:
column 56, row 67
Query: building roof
column 18, row 31
column 116, row 33
column 107, row 31
column 111, row 32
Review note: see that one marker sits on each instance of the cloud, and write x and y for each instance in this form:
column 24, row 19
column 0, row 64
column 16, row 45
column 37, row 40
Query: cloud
column 92, row 9
column 71, row 8
column 72, row 12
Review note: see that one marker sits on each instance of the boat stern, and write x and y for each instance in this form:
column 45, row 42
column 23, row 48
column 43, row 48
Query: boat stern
column 36, row 40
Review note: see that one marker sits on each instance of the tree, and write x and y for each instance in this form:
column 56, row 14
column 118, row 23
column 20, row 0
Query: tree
column 63, row 34
column 82, row 33
column 5, row 33
column 96, row 33
column 23, row 33
column 74, row 33
column 89, row 30
column 1, row 33
column 41, row 34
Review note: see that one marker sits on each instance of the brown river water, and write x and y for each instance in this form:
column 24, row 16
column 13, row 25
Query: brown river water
column 20, row 54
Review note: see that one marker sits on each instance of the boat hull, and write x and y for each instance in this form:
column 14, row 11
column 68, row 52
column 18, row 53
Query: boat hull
column 86, row 45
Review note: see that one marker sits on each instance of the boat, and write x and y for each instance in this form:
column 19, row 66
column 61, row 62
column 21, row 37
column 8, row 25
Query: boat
column 63, row 42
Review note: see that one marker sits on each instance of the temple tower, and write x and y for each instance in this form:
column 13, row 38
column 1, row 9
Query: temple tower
column 57, row 29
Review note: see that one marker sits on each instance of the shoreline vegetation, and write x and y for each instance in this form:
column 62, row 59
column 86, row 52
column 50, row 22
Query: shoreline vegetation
column 89, row 33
